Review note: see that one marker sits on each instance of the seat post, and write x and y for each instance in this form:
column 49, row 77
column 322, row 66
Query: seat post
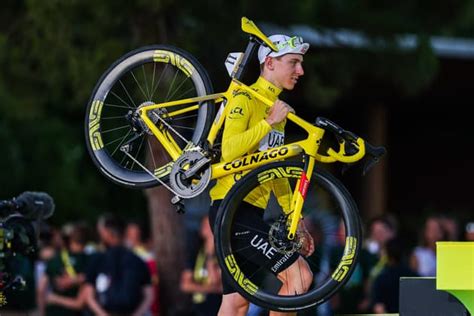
column 245, row 59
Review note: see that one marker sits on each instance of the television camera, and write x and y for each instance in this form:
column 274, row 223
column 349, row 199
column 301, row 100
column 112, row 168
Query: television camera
column 18, row 235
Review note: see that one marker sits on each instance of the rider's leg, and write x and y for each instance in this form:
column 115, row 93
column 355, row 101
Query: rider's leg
column 233, row 304
column 296, row 279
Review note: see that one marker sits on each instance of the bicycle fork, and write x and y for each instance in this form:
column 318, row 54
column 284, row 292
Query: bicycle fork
column 299, row 196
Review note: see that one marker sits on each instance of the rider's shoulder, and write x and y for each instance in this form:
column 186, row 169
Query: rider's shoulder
column 241, row 94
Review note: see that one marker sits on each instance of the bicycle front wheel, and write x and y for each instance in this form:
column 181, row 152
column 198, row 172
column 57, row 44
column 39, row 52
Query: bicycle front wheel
column 119, row 142
column 252, row 245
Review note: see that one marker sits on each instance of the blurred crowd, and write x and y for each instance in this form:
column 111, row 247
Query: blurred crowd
column 387, row 256
column 111, row 269
column 78, row 270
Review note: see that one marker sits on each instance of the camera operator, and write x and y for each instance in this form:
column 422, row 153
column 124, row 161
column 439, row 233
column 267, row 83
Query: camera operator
column 18, row 249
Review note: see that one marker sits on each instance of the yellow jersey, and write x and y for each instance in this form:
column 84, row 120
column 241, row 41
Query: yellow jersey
column 245, row 132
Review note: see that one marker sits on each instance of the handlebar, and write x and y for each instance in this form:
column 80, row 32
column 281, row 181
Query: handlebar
column 352, row 148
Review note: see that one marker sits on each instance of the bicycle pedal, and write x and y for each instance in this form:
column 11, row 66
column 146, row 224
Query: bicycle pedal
column 175, row 200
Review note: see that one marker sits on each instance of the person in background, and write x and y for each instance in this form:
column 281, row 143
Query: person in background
column 381, row 229
column 385, row 288
column 423, row 258
column 65, row 274
column 202, row 276
column 450, row 226
column 118, row 282
column 137, row 239
column 469, row 231
column 50, row 242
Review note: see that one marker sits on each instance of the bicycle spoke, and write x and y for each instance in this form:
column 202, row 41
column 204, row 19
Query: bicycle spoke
column 138, row 152
column 120, row 144
column 185, row 93
column 152, row 81
column 146, row 83
column 115, row 129
column 159, row 80
column 123, row 159
column 113, row 117
column 177, row 89
column 171, row 85
column 118, row 97
column 126, row 91
column 114, row 141
column 117, row 106
column 139, row 86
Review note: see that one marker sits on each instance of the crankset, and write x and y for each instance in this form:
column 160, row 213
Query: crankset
column 191, row 174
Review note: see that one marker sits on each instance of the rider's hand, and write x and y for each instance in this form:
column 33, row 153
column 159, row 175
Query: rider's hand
column 278, row 112
column 307, row 248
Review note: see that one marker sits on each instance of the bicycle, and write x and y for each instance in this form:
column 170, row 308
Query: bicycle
column 150, row 122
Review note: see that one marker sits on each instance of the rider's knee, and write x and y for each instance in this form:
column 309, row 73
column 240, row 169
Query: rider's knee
column 233, row 302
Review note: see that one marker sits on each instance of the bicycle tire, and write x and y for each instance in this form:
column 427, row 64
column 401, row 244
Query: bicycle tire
column 147, row 75
column 339, row 206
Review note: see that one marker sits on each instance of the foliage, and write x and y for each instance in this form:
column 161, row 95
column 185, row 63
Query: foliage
column 52, row 53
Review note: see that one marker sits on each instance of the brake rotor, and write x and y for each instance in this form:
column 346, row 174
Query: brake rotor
column 278, row 238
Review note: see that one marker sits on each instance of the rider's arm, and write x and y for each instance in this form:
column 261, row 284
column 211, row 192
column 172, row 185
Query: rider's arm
column 238, row 139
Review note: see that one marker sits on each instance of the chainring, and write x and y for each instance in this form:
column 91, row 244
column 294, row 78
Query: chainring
column 194, row 185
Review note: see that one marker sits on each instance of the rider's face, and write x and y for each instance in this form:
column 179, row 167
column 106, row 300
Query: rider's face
column 286, row 70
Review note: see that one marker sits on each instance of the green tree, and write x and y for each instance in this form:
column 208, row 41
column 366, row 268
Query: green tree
column 53, row 52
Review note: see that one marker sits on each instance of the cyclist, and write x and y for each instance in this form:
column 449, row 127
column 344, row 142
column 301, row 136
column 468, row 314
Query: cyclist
column 250, row 126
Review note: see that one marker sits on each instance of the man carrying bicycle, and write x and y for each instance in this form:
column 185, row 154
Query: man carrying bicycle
column 250, row 126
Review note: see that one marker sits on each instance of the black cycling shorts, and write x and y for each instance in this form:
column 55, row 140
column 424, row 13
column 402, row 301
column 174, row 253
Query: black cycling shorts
column 250, row 237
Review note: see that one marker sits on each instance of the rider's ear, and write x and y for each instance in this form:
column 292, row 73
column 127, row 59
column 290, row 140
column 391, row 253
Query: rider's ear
column 269, row 63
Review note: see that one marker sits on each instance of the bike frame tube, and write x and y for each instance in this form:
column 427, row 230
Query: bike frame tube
column 168, row 143
column 253, row 161
column 309, row 146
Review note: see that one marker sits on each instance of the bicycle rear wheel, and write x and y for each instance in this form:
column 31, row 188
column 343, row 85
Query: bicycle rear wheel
column 120, row 144
column 253, row 253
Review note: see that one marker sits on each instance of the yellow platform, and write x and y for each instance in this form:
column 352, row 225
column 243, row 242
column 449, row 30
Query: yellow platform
column 455, row 271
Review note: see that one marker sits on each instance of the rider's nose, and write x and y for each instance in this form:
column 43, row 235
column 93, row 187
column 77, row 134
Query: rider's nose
column 299, row 70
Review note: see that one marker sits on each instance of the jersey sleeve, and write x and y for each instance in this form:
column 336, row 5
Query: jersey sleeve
column 238, row 139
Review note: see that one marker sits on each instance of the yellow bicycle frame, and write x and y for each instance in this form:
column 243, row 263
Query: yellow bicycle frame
column 308, row 146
